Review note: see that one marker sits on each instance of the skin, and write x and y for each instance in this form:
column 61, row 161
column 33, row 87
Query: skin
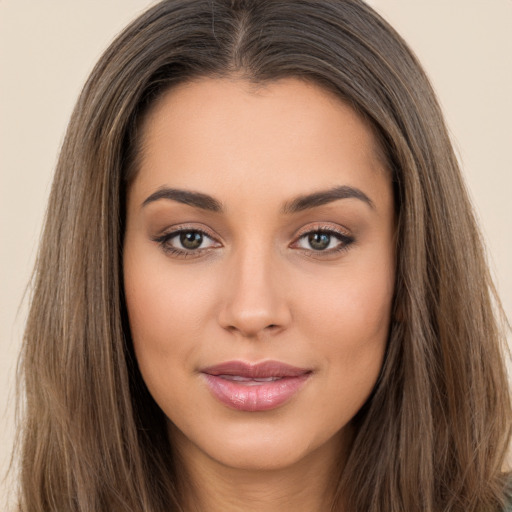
column 256, row 290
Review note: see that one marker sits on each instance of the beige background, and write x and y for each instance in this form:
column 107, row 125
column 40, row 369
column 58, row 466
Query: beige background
column 48, row 48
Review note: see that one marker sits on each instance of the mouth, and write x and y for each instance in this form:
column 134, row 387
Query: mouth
column 254, row 387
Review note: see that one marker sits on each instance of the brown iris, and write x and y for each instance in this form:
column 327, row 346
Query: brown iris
column 319, row 241
column 191, row 239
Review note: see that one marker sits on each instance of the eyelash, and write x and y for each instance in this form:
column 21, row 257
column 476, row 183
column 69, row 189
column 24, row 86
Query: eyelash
column 344, row 242
column 164, row 242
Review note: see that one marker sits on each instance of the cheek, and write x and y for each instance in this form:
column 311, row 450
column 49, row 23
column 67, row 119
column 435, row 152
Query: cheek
column 347, row 322
column 352, row 308
column 167, row 312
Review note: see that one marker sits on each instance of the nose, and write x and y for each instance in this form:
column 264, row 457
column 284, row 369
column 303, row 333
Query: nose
column 254, row 296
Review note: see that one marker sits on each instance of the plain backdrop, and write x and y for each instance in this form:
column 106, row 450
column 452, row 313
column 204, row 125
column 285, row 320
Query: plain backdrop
column 47, row 49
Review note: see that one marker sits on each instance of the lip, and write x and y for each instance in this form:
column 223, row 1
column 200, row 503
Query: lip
column 254, row 387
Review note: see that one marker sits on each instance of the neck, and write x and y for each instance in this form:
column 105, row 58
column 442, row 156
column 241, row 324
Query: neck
column 309, row 485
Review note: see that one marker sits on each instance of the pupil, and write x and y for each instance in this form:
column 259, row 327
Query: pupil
column 319, row 241
column 191, row 239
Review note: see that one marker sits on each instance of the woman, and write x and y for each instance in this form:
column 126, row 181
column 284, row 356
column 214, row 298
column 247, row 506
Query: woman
column 260, row 285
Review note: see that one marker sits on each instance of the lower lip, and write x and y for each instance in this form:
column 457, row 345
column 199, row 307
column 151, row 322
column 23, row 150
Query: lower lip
column 257, row 397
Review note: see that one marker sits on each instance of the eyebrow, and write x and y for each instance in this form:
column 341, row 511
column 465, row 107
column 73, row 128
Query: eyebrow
column 195, row 199
column 325, row 197
column 300, row 203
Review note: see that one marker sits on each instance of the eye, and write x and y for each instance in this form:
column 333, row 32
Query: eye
column 323, row 240
column 186, row 242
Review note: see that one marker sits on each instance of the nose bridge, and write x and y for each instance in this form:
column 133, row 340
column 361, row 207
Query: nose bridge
column 254, row 300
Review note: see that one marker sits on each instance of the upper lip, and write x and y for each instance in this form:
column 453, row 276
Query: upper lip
column 255, row 370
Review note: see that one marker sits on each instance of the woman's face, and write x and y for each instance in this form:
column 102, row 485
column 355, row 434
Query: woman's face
column 259, row 268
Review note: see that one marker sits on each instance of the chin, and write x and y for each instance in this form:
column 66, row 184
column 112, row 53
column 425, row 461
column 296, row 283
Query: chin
column 262, row 447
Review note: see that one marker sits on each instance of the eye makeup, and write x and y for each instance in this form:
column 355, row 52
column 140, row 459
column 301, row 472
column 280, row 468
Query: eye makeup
column 319, row 241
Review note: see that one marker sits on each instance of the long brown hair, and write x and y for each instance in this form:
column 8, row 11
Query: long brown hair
column 433, row 435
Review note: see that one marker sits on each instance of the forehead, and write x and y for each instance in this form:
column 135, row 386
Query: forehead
column 289, row 135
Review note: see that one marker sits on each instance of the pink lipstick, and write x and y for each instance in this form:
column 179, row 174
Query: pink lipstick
column 254, row 387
